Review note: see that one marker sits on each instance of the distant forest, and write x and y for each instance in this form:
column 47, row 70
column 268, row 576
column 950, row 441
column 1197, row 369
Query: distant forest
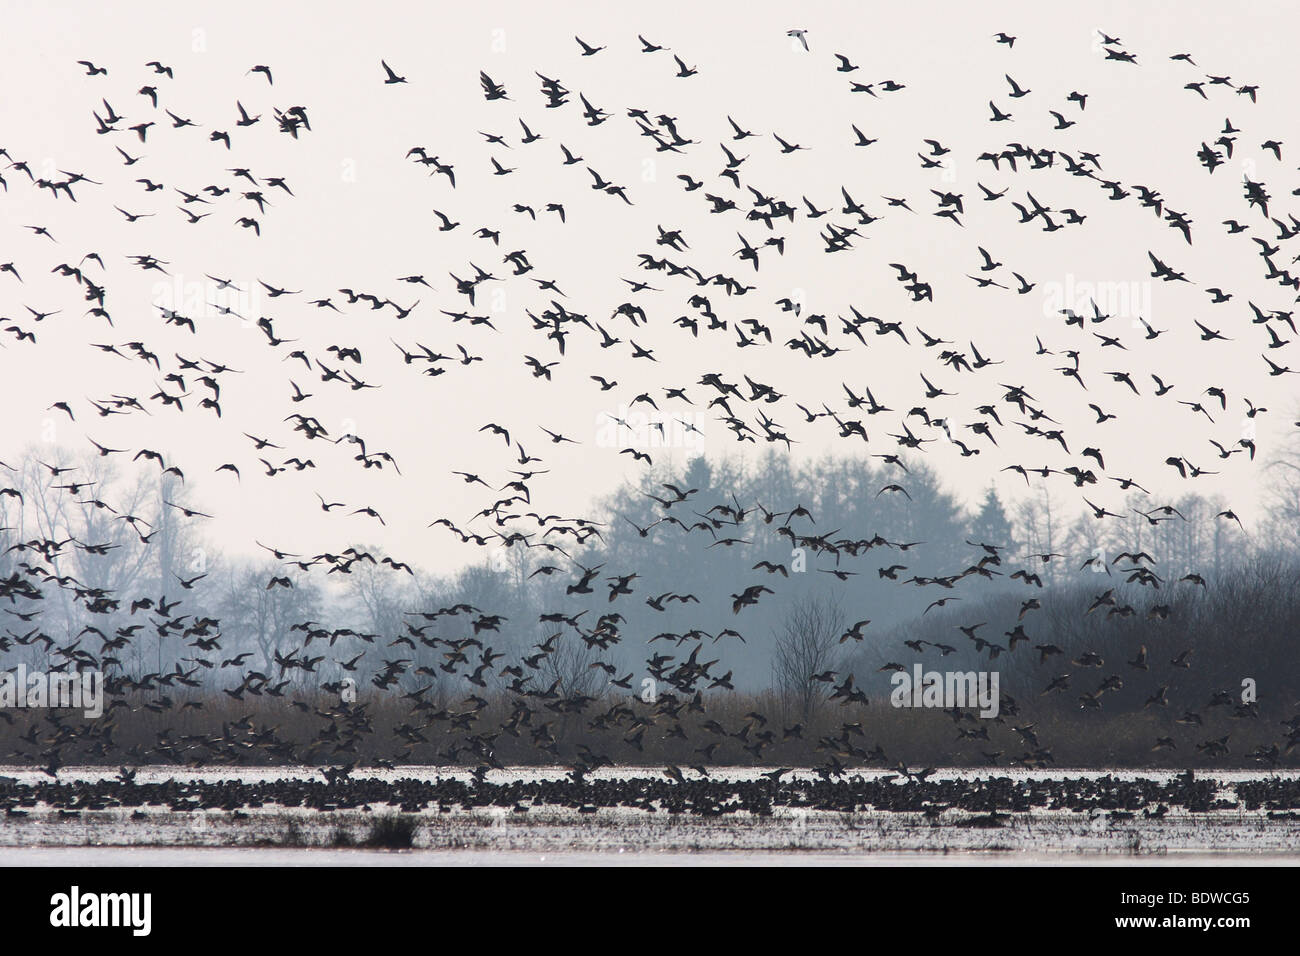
column 1085, row 620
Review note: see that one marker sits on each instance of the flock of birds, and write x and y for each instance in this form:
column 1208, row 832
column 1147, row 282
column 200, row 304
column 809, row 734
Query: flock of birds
column 987, row 802
column 765, row 223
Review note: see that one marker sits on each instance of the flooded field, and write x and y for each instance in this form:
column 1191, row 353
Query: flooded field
column 737, row 816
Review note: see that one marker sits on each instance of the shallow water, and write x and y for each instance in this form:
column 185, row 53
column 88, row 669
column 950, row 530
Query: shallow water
column 237, row 856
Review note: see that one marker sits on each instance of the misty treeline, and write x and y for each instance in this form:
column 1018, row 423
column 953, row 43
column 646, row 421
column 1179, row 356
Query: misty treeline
column 123, row 534
column 93, row 511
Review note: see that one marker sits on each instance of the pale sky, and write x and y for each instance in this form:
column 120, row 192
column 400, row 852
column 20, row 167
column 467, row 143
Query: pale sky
column 361, row 217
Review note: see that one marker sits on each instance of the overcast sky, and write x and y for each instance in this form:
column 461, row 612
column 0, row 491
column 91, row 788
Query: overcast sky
column 362, row 216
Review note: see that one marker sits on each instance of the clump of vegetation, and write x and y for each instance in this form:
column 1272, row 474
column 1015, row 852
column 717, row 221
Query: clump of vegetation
column 392, row 831
column 293, row 835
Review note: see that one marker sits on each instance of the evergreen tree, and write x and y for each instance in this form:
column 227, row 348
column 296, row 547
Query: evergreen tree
column 991, row 524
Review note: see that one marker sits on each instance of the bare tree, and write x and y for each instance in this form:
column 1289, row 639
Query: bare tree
column 378, row 595
column 262, row 615
column 570, row 666
column 807, row 644
column 1282, row 498
column 1037, row 526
